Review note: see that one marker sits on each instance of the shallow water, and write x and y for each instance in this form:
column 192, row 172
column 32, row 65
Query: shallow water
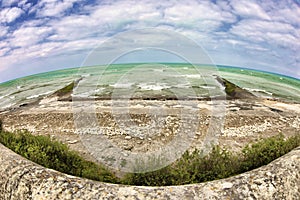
column 135, row 80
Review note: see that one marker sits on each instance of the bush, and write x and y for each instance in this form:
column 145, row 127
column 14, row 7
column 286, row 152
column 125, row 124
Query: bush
column 190, row 168
column 220, row 163
column 267, row 150
column 54, row 155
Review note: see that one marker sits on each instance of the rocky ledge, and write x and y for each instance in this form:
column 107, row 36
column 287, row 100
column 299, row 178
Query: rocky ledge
column 23, row 179
column 247, row 119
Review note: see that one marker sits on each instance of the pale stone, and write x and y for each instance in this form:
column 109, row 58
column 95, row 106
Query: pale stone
column 127, row 137
column 227, row 185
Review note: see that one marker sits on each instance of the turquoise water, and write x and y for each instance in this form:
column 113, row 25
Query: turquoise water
column 263, row 84
column 123, row 80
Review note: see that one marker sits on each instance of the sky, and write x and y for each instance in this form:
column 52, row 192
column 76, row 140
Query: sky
column 44, row 35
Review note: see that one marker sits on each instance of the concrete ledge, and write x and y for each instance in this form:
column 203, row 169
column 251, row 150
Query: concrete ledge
column 23, row 179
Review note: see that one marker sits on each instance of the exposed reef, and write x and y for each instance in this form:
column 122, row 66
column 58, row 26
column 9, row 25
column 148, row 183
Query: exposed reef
column 235, row 92
column 65, row 93
column 246, row 121
column 232, row 92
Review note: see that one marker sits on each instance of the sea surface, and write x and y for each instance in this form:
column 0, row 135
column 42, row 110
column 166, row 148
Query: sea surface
column 134, row 80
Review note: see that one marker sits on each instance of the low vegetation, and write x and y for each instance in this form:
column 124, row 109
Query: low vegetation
column 65, row 90
column 235, row 92
column 220, row 163
column 191, row 168
column 54, row 155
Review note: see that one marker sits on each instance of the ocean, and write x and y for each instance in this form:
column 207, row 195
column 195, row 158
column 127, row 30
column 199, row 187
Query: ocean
column 134, row 80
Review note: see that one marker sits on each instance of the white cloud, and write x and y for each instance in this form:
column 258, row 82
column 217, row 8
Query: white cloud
column 256, row 48
column 4, row 51
column 24, row 5
column 267, row 31
column 34, row 23
column 3, row 44
column 9, row 15
column 80, row 45
column 234, row 42
column 204, row 17
column 3, row 30
column 289, row 15
column 55, row 8
column 247, row 8
column 35, row 51
column 8, row 3
column 126, row 11
column 27, row 36
column 75, row 27
column 106, row 19
column 287, row 11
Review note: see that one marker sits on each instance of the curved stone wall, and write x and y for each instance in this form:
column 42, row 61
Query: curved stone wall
column 23, row 179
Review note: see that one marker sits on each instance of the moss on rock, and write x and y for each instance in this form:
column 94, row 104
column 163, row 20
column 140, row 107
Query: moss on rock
column 235, row 92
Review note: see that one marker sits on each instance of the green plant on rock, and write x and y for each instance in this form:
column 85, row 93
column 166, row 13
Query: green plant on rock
column 192, row 167
column 54, row 155
column 65, row 90
column 266, row 150
column 220, row 163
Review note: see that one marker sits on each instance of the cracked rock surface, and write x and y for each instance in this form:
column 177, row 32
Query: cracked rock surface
column 22, row 179
column 244, row 122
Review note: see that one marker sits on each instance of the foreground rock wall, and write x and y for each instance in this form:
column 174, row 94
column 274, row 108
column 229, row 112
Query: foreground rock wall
column 22, row 179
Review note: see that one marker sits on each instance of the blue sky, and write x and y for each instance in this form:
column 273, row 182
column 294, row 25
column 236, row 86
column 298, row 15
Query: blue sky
column 43, row 35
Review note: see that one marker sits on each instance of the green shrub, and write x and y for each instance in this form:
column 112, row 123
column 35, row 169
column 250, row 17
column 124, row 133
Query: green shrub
column 190, row 168
column 267, row 150
column 220, row 163
column 54, row 155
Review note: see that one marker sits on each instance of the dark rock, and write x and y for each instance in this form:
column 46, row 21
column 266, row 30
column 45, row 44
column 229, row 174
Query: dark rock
column 65, row 93
column 275, row 110
column 233, row 91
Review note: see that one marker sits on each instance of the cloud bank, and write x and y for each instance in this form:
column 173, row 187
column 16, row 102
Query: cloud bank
column 37, row 36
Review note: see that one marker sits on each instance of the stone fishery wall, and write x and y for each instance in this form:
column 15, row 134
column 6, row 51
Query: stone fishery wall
column 22, row 179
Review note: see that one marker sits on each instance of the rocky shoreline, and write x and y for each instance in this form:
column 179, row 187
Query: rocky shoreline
column 145, row 125
column 242, row 122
